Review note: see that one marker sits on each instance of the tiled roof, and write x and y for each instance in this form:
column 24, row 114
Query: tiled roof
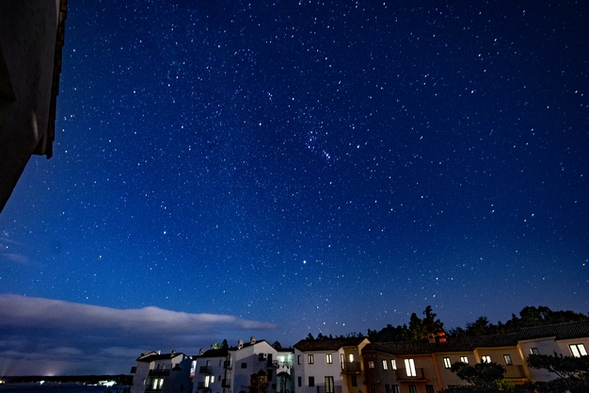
column 562, row 331
column 153, row 356
column 327, row 344
column 215, row 353
column 249, row 344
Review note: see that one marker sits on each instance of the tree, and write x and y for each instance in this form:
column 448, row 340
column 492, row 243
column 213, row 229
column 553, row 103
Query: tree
column 565, row 367
column 224, row 344
column 484, row 375
column 283, row 378
column 277, row 346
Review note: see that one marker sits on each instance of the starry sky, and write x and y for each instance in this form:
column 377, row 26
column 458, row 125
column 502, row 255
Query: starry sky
column 226, row 168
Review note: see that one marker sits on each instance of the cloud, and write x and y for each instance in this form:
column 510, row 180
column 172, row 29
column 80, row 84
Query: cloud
column 12, row 257
column 96, row 339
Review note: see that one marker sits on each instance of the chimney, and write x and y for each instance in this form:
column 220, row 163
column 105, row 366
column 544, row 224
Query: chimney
column 201, row 352
column 252, row 339
column 239, row 344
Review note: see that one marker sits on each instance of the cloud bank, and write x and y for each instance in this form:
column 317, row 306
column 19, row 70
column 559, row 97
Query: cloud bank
column 71, row 338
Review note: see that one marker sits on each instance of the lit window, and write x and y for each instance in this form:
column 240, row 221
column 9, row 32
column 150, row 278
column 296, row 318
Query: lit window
column 410, row 368
column 507, row 359
column 329, row 385
column 310, row 359
column 351, row 357
column 485, row 359
column 371, row 364
column 447, row 362
column 464, row 359
column 299, row 359
column 385, row 364
column 342, row 361
column 212, row 379
column 534, row 351
column 393, row 364
column 328, row 358
column 578, row 350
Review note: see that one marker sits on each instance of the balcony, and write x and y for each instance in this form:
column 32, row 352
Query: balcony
column 228, row 364
column 401, row 375
column 336, row 389
column 162, row 372
column 352, row 368
column 514, row 372
column 204, row 370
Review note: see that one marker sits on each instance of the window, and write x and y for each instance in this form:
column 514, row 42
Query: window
column 464, row 359
column 351, row 357
column 371, row 364
column 299, row 361
column 393, row 364
column 244, row 365
column 385, row 364
column 429, row 388
column 328, row 358
column 396, row 389
column 299, row 381
column 310, row 359
column 447, row 362
column 507, row 359
column 354, row 380
column 534, row 351
column 485, row 359
column 578, row 350
column 410, row 368
column 328, row 384
column 387, row 388
column 342, row 361
column 373, row 389
column 311, row 381
column 412, row 389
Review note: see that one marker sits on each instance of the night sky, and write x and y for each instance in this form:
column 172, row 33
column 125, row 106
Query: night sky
column 279, row 168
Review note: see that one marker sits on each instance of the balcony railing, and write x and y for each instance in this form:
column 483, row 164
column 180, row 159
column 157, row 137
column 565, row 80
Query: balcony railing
column 159, row 373
column 514, row 371
column 401, row 374
column 204, row 370
column 352, row 367
column 336, row 389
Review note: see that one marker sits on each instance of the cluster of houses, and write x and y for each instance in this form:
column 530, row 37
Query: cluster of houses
column 353, row 365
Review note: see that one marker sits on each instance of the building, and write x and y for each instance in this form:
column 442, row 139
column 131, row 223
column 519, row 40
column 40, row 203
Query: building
column 162, row 373
column 247, row 368
column 329, row 365
column 31, row 38
column 420, row 367
column 284, row 370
